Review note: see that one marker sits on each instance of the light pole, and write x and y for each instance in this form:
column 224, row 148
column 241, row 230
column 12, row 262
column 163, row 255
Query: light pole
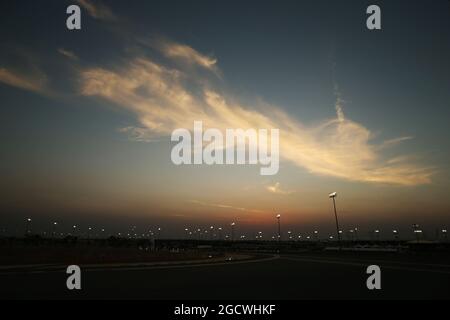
column 54, row 229
column 333, row 196
column 220, row 233
column 259, row 235
column 416, row 231
column 279, row 226
column 28, row 227
column 351, row 231
column 232, row 231
column 377, row 234
column 395, row 232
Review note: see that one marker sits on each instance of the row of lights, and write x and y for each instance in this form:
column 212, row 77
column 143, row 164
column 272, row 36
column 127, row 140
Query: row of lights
column 332, row 196
column 417, row 231
column 89, row 230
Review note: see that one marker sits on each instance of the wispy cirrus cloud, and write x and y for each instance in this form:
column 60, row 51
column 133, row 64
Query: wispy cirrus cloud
column 138, row 134
column 225, row 206
column 277, row 189
column 187, row 54
column 393, row 142
column 181, row 53
column 33, row 81
column 68, row 54
column 97, row 10
column 164, row 98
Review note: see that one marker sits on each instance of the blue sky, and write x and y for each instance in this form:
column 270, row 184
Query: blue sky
column 66, row 154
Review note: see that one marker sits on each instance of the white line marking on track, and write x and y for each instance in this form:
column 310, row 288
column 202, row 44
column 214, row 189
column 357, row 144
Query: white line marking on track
column 360, row 264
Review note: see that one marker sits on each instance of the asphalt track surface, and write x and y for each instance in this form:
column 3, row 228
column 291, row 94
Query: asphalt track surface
column 287, row 277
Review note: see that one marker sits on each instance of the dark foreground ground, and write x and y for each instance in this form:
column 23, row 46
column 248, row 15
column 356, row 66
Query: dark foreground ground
column 293, row 276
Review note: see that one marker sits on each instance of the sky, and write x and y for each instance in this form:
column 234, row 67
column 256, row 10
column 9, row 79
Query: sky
column 87, row 115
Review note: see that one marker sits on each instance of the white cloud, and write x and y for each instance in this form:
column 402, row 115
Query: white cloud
column 97, row 10
column 188, row 54
column 181, row 53
column 34, row 81
column 138, row 134
column 276, row 189
column 164, row 99
column 395, row 141
column 225, row 206
column 68, row 54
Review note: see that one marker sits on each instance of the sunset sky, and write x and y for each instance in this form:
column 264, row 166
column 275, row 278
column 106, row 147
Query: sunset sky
column 86, row 116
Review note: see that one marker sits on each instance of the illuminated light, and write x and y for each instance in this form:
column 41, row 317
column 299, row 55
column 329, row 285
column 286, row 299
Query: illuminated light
column 333, row 196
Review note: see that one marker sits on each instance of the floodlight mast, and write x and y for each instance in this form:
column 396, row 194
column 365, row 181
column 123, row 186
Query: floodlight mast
column 28, row 229
column 333, row 196
column 232, row 230
column 279, row 227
